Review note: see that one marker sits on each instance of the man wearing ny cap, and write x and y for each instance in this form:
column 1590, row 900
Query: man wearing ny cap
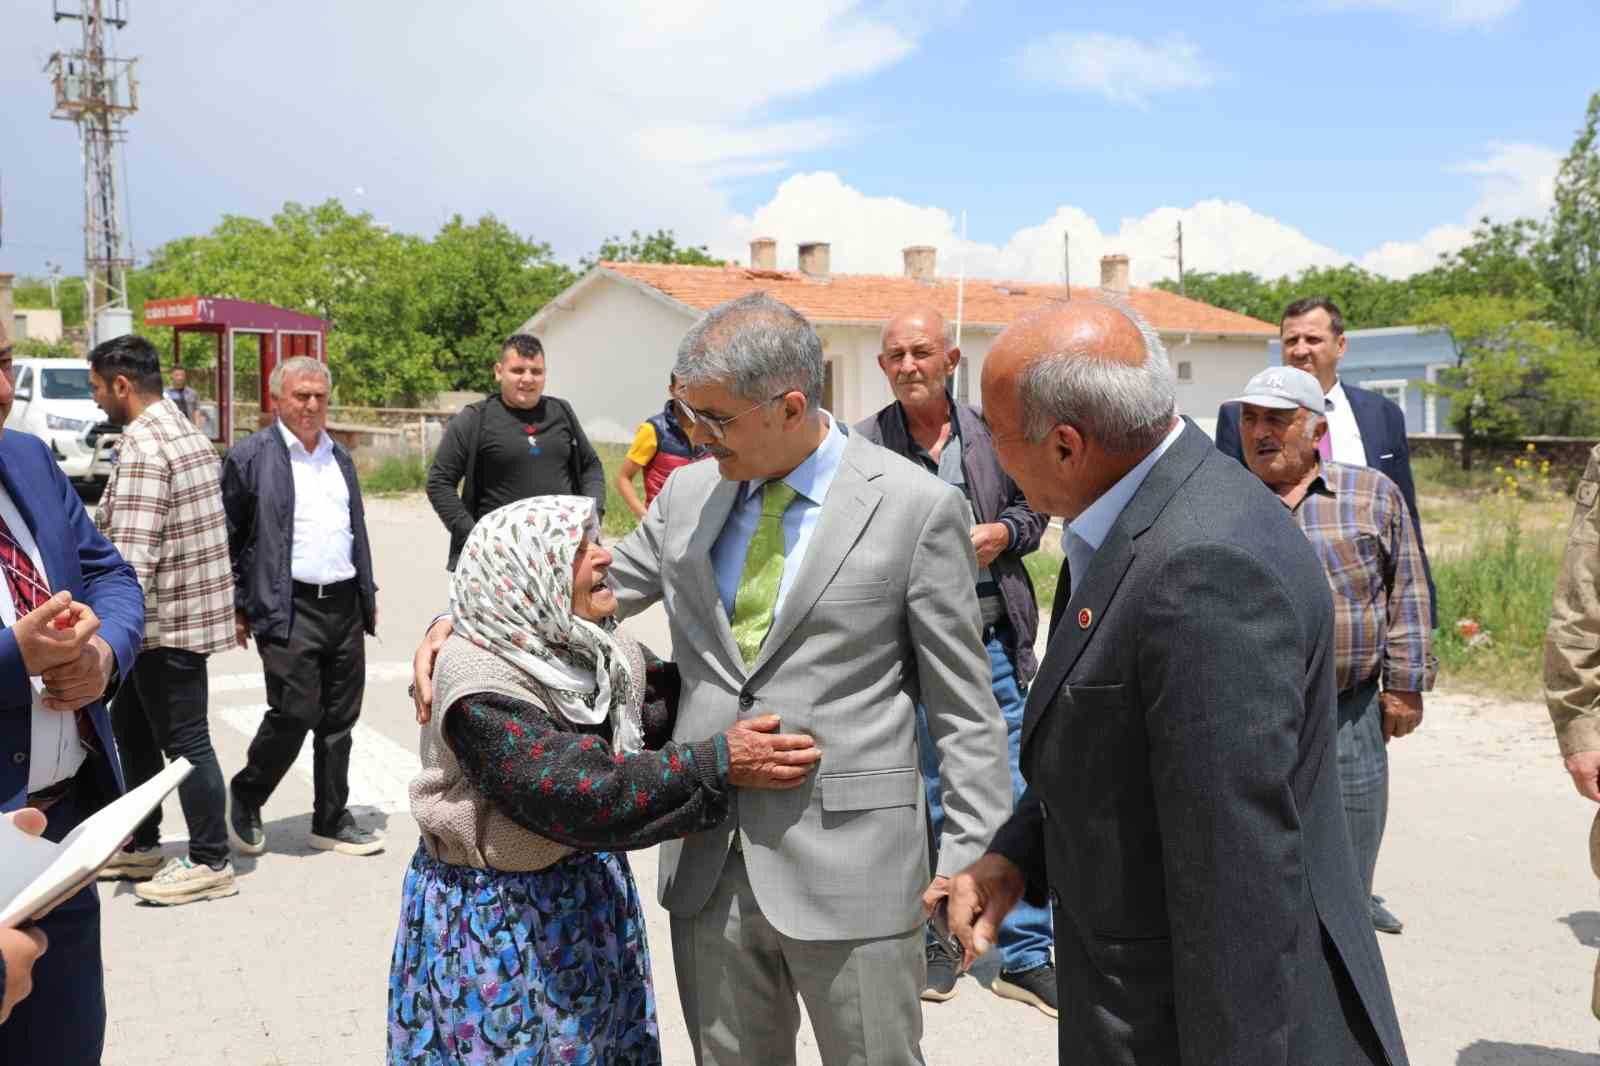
column 1360, row 526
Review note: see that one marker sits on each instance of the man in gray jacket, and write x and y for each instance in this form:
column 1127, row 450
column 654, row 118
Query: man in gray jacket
column 952, row 442
column 810, row 574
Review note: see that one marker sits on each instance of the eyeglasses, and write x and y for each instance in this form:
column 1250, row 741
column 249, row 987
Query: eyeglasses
column 718, row 427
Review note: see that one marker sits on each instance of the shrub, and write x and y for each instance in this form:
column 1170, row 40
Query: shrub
column 394, row 476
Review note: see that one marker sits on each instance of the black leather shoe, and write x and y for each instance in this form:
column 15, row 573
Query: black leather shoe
column 244, row 826
column 1383, row 920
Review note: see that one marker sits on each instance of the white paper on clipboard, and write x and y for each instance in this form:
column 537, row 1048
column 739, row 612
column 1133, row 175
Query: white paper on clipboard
column 34, row 872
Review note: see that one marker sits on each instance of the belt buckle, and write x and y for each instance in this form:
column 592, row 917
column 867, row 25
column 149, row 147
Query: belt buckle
column 321, row 594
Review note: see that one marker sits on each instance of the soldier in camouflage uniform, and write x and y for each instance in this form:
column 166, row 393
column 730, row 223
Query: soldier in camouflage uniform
column 1572, row 657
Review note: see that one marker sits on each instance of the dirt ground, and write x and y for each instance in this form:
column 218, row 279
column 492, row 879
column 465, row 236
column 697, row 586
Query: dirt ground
column 1485, row 860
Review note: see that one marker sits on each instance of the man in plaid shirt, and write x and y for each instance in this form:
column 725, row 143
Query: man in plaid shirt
column 163, row 510
column 1359, row 524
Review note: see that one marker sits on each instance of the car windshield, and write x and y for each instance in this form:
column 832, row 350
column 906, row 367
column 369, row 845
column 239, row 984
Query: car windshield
column 66, row 383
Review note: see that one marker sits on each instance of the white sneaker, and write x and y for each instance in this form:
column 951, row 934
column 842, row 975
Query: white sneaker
column 181, row 881
column 132, row 864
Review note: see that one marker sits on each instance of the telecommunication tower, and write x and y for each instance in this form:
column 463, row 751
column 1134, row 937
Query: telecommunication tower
column 98, row 92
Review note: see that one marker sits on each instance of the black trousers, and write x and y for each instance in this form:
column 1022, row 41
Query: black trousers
column 63, row 1022
column 315, row 681
column 161, row 710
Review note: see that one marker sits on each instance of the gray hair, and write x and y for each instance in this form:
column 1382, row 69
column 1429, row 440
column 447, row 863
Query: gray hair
column 756, row 346
column 295, row 366
column 1312, row 423
column 1125, row 409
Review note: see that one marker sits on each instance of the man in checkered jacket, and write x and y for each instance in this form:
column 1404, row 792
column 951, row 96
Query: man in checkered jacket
column 163, row 510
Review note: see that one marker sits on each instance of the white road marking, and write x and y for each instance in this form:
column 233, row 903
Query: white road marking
column 380, row 769
column 377, row 674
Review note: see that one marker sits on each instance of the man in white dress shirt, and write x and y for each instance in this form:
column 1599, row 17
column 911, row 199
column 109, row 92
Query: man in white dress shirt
column 291, row 483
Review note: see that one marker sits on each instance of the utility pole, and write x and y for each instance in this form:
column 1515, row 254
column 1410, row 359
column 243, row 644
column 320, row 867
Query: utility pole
column 1181, row 291
column 97, row 92
column 54, row 277
column 1066, row 262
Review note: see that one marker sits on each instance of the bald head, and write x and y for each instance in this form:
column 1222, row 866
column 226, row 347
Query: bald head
column 1088, row 364
column 917, row 357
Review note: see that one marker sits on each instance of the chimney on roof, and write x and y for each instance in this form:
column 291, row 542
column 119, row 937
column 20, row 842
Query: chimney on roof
column 1114, row 273
column 815, row 259
column 764, row 254
column 919, row 261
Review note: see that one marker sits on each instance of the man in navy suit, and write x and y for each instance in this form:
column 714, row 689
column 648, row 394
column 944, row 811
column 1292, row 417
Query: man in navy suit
column 1364, row 429
column 73, row 621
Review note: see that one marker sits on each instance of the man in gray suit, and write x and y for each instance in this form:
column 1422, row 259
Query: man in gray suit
column 1183, row 815
column 812, row 575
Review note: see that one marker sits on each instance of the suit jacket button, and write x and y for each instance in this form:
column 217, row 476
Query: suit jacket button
column 19, row 757
column 747, row 700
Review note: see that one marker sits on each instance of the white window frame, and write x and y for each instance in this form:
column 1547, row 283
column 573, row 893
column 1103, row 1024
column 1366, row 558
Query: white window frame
column 1384, row 386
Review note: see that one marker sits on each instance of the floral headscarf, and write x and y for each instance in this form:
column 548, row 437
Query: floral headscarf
column 512, row 596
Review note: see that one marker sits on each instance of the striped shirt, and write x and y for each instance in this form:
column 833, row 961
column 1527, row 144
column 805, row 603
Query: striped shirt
column 163, row 510
column 1357, row 521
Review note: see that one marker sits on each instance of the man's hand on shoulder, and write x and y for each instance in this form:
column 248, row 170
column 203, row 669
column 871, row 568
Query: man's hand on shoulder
column 422, row 667
column 1402, row 713
column 1584, row 766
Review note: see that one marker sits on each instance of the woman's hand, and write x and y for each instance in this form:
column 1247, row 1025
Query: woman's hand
column 761, row 757
column 422, row 667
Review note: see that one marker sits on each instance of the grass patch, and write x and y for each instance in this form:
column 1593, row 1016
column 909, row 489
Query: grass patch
column 394, row 475
column 1044, row 567
column 1501, row 576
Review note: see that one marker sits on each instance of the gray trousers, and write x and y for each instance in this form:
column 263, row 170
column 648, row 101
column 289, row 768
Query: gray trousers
column 738, row 978
column 1363, row 774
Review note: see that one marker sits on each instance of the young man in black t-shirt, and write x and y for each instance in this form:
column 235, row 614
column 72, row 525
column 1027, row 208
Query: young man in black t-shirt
column 511, row 446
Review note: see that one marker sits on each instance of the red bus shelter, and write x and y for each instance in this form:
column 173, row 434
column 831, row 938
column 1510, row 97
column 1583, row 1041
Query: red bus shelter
column 283, row 334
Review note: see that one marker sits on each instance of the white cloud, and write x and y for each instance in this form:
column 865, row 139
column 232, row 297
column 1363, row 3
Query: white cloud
column 867, row 233
column 1124, row 70
column 1452, row 13
column 1514, row 181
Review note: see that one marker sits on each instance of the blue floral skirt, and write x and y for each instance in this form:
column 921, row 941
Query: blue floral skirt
column 522, row 968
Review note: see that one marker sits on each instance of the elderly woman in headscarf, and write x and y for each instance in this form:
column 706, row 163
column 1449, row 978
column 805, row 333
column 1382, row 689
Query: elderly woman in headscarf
column 521, row 937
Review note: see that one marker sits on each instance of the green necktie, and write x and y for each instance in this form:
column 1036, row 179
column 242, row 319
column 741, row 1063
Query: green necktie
column 763, row 572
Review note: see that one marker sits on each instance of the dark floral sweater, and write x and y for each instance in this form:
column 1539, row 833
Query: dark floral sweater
column 565, row 782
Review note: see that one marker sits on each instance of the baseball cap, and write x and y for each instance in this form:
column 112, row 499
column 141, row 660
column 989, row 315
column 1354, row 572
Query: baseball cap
column 1284, row 387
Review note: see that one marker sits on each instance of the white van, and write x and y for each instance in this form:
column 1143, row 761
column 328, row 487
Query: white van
column 54, row 403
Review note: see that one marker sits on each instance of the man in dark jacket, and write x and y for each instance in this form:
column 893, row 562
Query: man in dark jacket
column 951, row 441
column 302, row 574
column 510, row 446
column 1183, row 814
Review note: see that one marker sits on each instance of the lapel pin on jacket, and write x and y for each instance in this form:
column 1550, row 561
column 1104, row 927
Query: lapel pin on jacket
column 1085, row 618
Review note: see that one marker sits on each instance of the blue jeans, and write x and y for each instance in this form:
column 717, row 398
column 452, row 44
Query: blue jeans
column 1025, row 936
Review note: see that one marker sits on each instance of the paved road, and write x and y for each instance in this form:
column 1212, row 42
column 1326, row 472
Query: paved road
column 1484, row 860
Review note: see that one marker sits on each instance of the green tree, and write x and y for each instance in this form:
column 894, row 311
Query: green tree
column 1514, row 374
column 1499, row 261
column 1570, row 253
column 658, row 247
column 325, row 261
column 477, row 284
column 35, row 348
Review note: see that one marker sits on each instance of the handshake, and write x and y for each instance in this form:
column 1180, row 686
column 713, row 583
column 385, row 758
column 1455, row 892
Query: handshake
column 59, row 642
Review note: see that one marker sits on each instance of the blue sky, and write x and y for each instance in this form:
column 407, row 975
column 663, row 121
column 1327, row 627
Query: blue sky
column 1283, row 134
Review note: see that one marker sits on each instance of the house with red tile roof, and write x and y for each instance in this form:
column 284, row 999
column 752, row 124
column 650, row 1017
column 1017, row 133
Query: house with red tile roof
column 611, row 338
